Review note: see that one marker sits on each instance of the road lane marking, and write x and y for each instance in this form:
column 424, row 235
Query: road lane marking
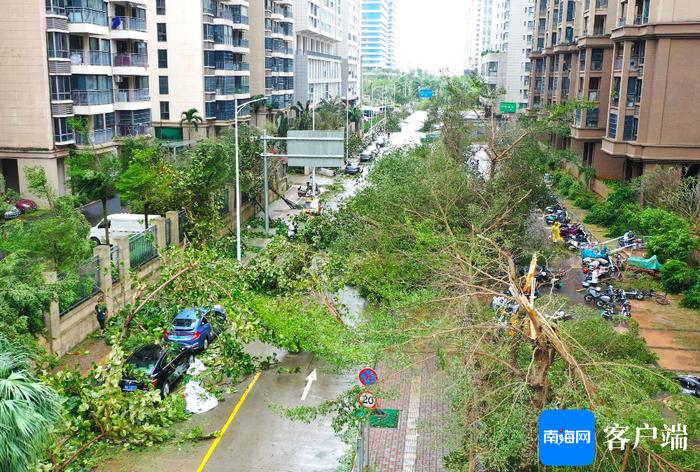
column 228, row 423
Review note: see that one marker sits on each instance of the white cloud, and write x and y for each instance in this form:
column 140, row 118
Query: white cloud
column 431, row 34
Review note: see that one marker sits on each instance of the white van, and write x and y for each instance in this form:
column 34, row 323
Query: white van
column 120, row 224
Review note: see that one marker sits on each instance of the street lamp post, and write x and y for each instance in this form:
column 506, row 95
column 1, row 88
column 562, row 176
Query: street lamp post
column 238, row 177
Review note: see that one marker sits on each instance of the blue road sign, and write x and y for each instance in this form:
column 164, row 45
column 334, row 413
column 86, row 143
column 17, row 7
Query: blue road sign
column 567, row 437
column 425, row 93
column 368, row 377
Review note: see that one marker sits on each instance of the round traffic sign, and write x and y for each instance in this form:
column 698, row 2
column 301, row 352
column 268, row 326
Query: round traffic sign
column 368, row 377
column 367, row 400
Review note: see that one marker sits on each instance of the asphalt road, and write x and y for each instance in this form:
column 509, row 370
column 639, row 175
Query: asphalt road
column 259, row 439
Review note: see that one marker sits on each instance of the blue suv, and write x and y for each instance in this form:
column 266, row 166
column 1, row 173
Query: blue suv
column 196, row 327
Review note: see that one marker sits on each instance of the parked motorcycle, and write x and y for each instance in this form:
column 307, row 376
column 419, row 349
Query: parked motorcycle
column 595, row 295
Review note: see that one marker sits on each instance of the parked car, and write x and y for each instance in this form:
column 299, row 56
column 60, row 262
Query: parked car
column 196, row 327
column 11, row 212
column 690, row 385
column 366, row 156
column 25, row 205
column 313, row 206
column 352, row 169
column 120, row 224
column 153, row 366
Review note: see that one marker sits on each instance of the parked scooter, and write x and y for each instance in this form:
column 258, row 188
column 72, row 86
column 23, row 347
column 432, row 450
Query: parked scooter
column 593, row 294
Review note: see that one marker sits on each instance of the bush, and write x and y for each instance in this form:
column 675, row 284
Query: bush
column 585, row 200
column 673, row 244
column 654, row 221
column 677, row 276
column 692, row 298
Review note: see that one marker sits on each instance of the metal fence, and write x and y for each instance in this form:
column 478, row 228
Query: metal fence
column 115, row 263
column 142, row 247
column 181, row 225
column 168, row 232
column 78, row 286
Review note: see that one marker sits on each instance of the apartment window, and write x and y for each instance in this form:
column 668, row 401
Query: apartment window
column 57, row 45
column 60, row 87
column 163, row 85
column 160, row 7
column 630, row 131
column 164, row 110
column 162, row 32
column 612, row 125
column 162, row 58
column 62, row 130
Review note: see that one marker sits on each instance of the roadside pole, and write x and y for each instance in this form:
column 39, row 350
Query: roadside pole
column 266, row 184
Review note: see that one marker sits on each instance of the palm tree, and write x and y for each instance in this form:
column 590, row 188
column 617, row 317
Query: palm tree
column 193, row 120
column 28, row 411
column 300, row 109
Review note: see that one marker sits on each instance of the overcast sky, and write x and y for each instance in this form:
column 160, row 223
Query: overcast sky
column 430, row 34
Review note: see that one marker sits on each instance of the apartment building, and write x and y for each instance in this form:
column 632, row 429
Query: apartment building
column 200, row 59
column 272, row 54
column 478, row 31
column 506, row 64
column 317, row 64
column 349, row 49
column 70, row 59
column 632, row 61
column 378, row 34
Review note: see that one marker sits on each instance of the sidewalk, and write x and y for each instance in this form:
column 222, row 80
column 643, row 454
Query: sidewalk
column 419, row 443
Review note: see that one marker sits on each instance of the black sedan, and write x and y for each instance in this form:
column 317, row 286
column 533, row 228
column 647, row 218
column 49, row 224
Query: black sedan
column 690, row 385
column 156, row 366
column 366, row 156
column 352, row 169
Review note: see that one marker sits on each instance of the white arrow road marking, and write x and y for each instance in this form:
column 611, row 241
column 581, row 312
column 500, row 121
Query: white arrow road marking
column 309, row 380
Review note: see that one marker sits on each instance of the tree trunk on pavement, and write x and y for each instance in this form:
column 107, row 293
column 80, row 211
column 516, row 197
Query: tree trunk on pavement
column 104, row 218
column 145, row 210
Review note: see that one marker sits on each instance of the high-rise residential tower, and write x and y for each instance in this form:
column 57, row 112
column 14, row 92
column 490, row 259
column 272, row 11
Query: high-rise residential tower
column 349, row 50
column 378, row 34
column 65, row 60
column 479, row 28
column 272, row 53
column 634, row 61
column 199, row 59
column 505, row 62
column 317, row 64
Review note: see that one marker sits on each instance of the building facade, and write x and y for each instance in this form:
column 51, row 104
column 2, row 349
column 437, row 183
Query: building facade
column 200, row 58
column 479, row 28
column 349, row 50
column 317, row 64
column 378, row 34
column 632, row 61
column 84, row 64
column 272, row 54
column 505, row 64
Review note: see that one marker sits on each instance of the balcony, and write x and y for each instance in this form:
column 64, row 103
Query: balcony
column 594, row 95
column 591, row 120
column 64, row 138
column 129, row 59
column 128, row 23
column 132, row 95
column 641, row 19
column 622, row 21
column 615, row 100
column 633, row 99
column 89, row 58
column 241, row 43
column 596, row 65
column 134, row 129
column 236, row 66
column 243, row 90
column 95, row 138
column 92, row 97
column 78, row 15
column 599, row 31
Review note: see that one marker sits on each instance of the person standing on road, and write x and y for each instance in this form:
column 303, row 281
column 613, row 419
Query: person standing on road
column 101, row 313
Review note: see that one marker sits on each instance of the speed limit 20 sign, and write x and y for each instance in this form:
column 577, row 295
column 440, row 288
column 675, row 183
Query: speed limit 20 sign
column 367, row 400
